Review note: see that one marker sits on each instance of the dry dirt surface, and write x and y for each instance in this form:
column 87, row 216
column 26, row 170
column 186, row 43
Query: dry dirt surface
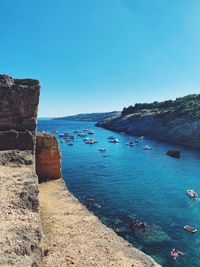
column 20, row 232
column 73, row 236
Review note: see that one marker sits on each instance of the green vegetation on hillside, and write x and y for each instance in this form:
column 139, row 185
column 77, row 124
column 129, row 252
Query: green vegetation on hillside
column 92, row 116
column 189, row 105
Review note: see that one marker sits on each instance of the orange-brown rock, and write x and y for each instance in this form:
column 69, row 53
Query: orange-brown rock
column 48, row 159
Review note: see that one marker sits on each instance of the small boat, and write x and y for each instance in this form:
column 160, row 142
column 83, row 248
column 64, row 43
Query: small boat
column 90, row 132
column 61, row 135
column 190, row 229
column 147, row 147
column 82, row 134
column 91, row 141
column 55, row 131
column 68, row 136
column 102, row 149
column 67, row 133
column 191, row 193
column 68, row 140
column 131, row 143
column 114, row 140
column 70, row 144
column 111, row 137
column 141, row 137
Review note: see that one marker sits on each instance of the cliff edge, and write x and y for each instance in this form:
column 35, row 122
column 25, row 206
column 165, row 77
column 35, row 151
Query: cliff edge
column 70, row 234
column 172, row 121
column 19, row 99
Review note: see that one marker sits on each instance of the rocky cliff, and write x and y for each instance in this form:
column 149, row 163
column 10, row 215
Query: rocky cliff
column 20, row 233
column 172, row 121
column 19, row 100
column 48, row 160
column 21, row 239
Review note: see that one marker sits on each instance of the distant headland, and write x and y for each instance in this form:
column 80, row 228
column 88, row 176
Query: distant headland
column 96, row 117
column 175, row 121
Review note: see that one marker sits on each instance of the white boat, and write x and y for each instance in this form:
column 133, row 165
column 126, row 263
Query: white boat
column 102, row 149
column 91, row 141
column 115, row 140
column 82, row 134
column 141, row 137
column 147, row 147
column 190, row 229
column 90, row 132
column 191, row 193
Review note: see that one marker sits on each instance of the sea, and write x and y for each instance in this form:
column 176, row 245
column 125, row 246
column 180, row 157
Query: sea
column 127, row 183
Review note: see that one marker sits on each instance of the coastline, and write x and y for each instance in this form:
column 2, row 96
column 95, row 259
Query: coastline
column 74, row 236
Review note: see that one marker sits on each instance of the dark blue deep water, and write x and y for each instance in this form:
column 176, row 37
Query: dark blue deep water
column 131, row 183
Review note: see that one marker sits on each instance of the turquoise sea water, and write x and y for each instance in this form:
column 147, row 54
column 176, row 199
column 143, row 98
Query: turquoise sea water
column 127, row 183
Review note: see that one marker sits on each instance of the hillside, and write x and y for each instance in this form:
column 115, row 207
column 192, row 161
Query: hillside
column 91, row 116
column 175, row 121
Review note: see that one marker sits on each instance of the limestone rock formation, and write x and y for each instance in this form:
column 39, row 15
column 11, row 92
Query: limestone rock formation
column 19, row 100
column 48, row 160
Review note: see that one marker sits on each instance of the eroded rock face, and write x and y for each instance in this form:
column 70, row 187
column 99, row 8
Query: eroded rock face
column 48, row 159
column 175, row 129
column 19, row 100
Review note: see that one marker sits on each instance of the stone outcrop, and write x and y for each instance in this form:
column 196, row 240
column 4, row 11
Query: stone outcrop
column 48, row 160
column 19, row 100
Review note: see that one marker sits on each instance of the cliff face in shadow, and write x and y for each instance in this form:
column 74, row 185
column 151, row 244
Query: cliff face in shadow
column 19, row 100
column 172, row 121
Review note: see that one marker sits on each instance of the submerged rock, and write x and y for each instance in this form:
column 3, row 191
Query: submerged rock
column 174, row 153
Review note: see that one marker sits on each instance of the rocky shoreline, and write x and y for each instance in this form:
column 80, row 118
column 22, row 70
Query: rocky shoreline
column 73, row 236
column 178, row 123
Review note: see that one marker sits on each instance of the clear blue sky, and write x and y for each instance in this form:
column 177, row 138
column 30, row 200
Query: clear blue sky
column 102, row 55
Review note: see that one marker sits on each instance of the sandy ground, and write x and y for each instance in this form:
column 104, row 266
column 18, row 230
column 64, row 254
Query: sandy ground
column 73, row 236
column 20, row 235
